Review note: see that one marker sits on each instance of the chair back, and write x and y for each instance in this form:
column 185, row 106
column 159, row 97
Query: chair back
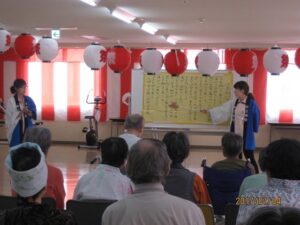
column 208, row 213
column 231, row 212
column 223, row 186
column 88, row 212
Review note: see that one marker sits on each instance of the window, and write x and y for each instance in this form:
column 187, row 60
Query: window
column 283, row 94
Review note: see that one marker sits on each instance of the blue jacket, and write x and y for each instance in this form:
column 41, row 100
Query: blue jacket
column 251, row 125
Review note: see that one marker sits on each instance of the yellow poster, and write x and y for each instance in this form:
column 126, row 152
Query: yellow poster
column 179, row 100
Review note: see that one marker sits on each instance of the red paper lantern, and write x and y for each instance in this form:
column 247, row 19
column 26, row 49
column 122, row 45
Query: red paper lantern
column 297, row 58
column 244, row 62
column 176, row 62
column 47, row 49
column 276, row 60
column 25, row 45
column 5, row 40
column 151, row 61
column 118, row 58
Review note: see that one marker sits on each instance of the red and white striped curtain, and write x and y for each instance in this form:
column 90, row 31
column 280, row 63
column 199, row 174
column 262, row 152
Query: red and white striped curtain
column 60, row 88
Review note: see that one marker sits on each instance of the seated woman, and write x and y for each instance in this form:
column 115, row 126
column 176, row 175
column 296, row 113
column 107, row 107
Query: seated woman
column 275, row 216
column 181, row 182
column 282, row 165
column 27, row 168
column 106, row 182
column 55, row 184
column 232, row 145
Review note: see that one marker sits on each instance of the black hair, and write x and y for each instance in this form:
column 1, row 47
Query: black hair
column 25, row 159
column 275, row 216
column 18, row 83
column 262, row 160
column 243, row 86
column 178, row 146
column 282, row 159
column 232, row 144
column 114, row 151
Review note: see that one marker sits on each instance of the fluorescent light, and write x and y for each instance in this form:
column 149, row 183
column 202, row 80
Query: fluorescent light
column 171, row 40
column 91, row 37
column 149, row 29
column 90, row 2
column 123, row 15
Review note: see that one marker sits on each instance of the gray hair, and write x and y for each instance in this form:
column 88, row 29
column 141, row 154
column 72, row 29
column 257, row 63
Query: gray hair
column 134, row 122
column 40, row 136
column 148, row 161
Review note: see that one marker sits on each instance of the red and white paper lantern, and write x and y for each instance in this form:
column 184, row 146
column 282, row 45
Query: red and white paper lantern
column 176, row 62
column 25, row 45
column 276, row 60
column 152, row 61
column 47, row 49
column 5, row 40
column 297, row 58
column 118, row 58
column 244, row 62
column 207, row 62
column 95, row 56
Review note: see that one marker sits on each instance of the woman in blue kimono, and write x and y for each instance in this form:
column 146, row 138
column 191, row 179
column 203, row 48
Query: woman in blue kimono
column 19, row 112
column 245, row 118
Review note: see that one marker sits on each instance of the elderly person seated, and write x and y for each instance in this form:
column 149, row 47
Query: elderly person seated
column 275, row 216
column 55, row 183
column 282, row 164
column 256, row 180
column 148, row 165
column 106, row 182
column 134, row 128
column 27, row 168
column 181, row 182
column 232, row 145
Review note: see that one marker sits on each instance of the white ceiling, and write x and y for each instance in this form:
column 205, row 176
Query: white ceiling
column 228, row 23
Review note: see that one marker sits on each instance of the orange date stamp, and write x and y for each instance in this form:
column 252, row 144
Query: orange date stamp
column 258, row 201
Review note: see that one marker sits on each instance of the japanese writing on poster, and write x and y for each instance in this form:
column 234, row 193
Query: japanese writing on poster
column 180, row 99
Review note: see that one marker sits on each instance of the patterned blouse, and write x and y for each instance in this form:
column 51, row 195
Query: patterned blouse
column 277, row 192
column 34, row 214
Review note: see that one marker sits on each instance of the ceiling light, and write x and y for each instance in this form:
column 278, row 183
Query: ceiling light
column 123, row 15
column 171, row 40
column 91, row 37
column 149, row 29
column 61, row 28
column 90, row 2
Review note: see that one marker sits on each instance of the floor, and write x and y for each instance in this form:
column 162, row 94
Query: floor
column 74, row 164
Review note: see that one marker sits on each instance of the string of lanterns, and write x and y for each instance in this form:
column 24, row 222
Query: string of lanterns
column 118, row 58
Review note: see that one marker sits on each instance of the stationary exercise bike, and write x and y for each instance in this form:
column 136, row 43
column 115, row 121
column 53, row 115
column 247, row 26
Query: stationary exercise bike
column 92, row 132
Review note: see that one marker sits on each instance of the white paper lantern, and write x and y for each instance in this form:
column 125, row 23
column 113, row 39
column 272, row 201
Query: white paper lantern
column 276, row 60
column 95, row 56
column 47, row 49
column 207, row 62
column 5, row 40
column 152, row 61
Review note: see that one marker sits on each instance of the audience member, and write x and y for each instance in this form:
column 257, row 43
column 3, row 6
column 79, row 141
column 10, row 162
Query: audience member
column 282, row 164
column 181, row 182
column 232, row 145
column 106, row 182
column 55, row 183
column 148, row 165
column 27, row 168
column 134, row 128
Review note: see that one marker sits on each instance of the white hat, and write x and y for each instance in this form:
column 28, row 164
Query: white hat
column 30, row 182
